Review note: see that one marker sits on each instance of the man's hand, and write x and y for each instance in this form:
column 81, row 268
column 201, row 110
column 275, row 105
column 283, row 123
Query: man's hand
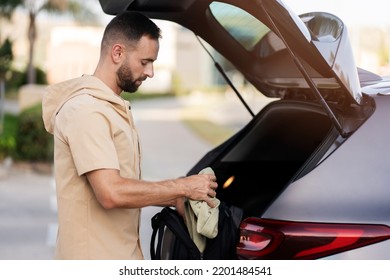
column 200, row 187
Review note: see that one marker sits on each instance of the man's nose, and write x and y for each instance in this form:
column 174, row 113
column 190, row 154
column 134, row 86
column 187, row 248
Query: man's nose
column 149, row 71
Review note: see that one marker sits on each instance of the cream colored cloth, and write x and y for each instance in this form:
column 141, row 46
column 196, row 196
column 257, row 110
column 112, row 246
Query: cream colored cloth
column 201, row 219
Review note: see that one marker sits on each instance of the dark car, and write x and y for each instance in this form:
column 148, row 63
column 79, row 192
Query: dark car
column 311, row 170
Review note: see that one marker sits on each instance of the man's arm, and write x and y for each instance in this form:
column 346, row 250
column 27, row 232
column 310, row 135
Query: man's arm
column 114, row 191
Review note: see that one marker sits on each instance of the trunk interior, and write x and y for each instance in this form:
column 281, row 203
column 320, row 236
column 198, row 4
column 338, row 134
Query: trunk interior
column 283, row 142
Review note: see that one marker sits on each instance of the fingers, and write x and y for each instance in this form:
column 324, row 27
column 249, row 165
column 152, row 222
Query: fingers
column 212, row 193
column 210, row 202
column 212, row 181
column 213, row 185
column 203, row 187
column 212, row 178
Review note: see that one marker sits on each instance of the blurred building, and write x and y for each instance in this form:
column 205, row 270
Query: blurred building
column 71, row 52
column 181, row 65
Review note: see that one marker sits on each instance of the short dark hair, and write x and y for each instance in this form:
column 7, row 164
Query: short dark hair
column 129, row 27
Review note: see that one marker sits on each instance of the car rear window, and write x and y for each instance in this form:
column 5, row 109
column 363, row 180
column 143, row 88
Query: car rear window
column 241, row 25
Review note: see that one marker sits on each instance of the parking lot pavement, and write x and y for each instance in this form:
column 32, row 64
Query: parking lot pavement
column 27, row 215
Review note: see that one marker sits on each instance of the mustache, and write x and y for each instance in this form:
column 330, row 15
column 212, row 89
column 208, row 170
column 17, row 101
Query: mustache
column 143, row 78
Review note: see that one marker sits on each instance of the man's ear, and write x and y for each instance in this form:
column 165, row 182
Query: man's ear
column 117, row 53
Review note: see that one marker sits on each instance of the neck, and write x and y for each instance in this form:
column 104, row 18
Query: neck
column 107, row 76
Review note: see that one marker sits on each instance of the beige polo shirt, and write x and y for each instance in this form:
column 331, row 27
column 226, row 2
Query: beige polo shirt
column 93, row 129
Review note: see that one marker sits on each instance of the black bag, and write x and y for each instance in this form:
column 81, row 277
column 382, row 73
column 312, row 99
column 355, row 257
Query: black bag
column 174, row 241
column 223, row 246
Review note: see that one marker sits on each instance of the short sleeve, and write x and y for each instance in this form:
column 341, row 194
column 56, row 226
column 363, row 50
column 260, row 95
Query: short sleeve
column 89, row 136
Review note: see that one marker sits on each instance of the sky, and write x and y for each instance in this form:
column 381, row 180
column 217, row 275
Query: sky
column 352, row 12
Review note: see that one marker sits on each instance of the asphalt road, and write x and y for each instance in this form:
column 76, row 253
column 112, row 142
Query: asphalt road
column 27, row 215
column 27, row 198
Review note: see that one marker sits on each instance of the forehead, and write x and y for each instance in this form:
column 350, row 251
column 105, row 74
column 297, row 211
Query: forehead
column 147, row 47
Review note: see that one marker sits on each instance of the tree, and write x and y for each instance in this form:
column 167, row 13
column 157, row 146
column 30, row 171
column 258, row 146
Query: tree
column 34, row 8
column 6, row 55
column 7, row 7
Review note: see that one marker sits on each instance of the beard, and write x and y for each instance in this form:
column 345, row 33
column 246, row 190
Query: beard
column 125, row 79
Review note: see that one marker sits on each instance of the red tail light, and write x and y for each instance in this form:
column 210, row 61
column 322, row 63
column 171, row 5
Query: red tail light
column 272, row 239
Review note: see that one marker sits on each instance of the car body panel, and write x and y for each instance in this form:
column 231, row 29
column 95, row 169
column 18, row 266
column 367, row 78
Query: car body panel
column 345, row 186
column 381, row 87
column 378, row 251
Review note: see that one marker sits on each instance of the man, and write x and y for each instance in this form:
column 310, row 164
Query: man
column 97, row 154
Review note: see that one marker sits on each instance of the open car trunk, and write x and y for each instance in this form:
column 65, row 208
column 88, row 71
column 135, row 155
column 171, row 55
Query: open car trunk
column 283, row 142
column 306, row 61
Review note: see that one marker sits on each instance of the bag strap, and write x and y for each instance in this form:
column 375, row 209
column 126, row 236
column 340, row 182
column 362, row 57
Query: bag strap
column 176, row 224
column 157, row 227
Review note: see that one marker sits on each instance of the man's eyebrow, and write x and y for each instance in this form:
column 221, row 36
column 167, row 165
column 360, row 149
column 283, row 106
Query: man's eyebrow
column 149, row 59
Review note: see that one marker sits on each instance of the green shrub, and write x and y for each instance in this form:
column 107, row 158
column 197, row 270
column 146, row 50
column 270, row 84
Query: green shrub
column 33, row 143
column 8, row 136
column 15, row 79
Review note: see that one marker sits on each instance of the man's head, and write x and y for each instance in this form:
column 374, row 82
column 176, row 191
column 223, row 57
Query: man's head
column 128, row 28
column 129, row 47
